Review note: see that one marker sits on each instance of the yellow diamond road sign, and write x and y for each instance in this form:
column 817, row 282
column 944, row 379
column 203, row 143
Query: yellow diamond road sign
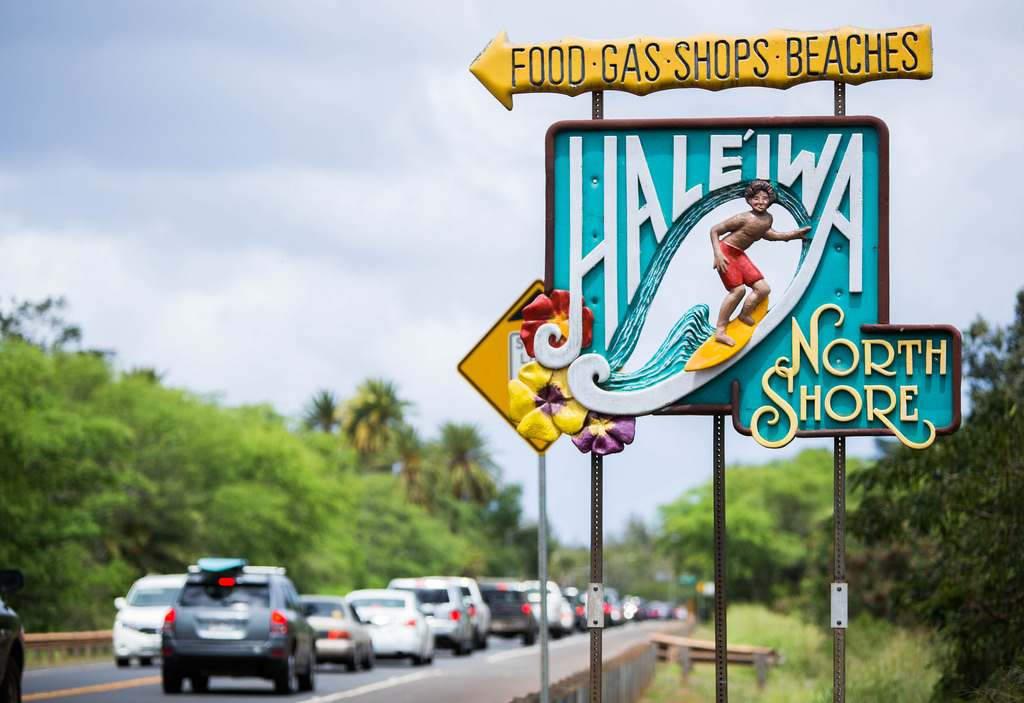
column 497, row 358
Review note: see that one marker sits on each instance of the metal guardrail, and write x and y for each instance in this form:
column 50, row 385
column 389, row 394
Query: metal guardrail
column 689, row 651
column 52, row 647
column 624, row 680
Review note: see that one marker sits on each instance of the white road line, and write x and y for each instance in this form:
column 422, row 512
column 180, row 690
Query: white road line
column 379, row 686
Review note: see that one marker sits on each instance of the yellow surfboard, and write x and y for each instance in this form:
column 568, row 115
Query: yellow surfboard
column 711, row 352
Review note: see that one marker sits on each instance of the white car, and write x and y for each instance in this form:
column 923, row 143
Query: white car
column 479, row 611
column 447, row 612
column 341, row 636
column 397, row 625
column 559, row 611
column 140, row 617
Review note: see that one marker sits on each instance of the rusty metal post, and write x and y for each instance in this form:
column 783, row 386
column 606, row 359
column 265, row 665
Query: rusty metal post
column 721, row 659
column 840, row 610
column 840, row 99
column 840, row 589
column 595, row 590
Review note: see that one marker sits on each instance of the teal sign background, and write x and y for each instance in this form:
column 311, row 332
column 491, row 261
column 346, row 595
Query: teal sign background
column 726, row 155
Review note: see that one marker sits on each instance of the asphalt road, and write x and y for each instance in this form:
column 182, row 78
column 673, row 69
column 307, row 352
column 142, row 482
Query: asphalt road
column 497, row 674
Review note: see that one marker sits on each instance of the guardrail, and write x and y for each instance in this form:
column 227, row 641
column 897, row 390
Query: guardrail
column 624, row 680
column 54, row 647
column 689, row 651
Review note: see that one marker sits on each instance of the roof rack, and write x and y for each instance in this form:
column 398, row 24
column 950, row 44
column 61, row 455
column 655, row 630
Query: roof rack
column 217, row 564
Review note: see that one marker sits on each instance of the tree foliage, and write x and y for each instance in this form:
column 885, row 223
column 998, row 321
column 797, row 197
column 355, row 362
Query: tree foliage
column 960, row 507
column 105, row 477
column 41, row 324
column 772, row 514
column 372, row 417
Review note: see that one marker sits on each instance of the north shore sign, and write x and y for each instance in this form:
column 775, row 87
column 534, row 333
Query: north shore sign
column 818, row 356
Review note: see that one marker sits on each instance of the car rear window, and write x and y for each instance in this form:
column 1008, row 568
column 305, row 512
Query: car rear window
column 430, row 596
column 329, row 608
column 153, row 596
column 378, row 603
column 214, row 595
column 496, row 596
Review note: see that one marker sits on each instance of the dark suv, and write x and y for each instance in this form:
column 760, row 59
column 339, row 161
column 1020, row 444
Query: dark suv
column 230, row 619
column 511, row 611
column 12, row 639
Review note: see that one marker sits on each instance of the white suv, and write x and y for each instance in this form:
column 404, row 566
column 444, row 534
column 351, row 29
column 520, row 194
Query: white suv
column 479, row 611
column 446, row 610
column 140, row 616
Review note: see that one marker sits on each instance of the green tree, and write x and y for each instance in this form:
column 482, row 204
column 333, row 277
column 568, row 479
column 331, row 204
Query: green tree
column 322, row 412
column 418, row 476
column 959, row 505
column 372, row 417
column 771, row 514
column 465, row 455
column 41, row 324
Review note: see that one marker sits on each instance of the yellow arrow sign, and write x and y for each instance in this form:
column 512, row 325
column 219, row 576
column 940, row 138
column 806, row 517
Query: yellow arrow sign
column 497, row 358
column 641, row 65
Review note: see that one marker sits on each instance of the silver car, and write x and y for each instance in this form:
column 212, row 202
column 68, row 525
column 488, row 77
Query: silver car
column 140, row 616
column 341, row 636
column 446, row 609
column 479, row 611
column 231, row 619
column 397, row 625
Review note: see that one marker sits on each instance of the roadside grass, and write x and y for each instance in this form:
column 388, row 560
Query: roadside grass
column 884, row 664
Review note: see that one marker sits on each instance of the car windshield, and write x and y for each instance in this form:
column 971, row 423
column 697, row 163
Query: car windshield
column 152, row 596
column 212, row 594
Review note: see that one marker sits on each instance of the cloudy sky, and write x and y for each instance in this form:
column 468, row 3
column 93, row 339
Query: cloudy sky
column 261, row 198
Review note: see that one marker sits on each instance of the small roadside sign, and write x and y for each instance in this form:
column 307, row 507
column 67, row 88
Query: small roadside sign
column 497, row 358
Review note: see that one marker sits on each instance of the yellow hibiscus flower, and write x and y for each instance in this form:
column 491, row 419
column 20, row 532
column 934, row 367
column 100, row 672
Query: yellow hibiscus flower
column 541, row 404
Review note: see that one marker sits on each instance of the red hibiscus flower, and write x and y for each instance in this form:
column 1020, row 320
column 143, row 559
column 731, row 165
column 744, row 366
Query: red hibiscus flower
column 554, row 309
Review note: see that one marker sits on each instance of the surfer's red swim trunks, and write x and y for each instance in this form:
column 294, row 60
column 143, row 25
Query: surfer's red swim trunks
column 741, row 269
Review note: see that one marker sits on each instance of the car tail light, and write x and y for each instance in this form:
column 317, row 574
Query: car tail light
column 411, row 622
column 580, row 610
column 607, row 608
column 472, row 610
column 278, row 623
column 338, row 635
column 226, row 581
column 169, row 622
column 455, row 615
column 527, row 609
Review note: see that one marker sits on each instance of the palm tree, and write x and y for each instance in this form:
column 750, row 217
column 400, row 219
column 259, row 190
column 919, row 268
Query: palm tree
column 322, row 412
column 415, row 475
column 465, row 454
column 373, row 416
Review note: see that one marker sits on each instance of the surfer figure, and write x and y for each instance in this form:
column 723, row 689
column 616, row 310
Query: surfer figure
column 731, row 262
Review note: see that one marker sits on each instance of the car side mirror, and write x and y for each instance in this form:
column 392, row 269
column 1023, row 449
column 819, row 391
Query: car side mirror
column 11, row 580
column 120, row 602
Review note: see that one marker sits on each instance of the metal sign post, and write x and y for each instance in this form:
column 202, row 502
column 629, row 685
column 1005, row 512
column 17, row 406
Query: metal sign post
column 721, row 642
column 595, row 590
column 542, row 569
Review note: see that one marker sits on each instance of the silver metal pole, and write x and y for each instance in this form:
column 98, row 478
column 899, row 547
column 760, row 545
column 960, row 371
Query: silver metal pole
column 542, row 568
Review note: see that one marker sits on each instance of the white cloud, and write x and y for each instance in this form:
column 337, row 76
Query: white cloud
column 265, row 200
